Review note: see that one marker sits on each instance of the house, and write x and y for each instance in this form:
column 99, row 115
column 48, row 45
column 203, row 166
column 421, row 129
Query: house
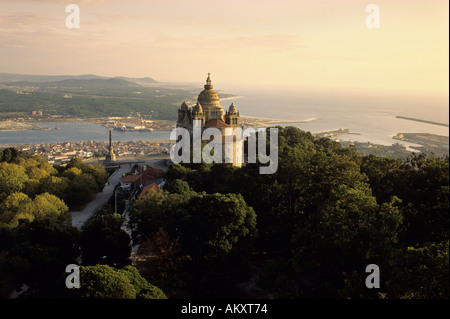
column 129, row 182
column 142, row 176
column 149, row 173
column 148, row 189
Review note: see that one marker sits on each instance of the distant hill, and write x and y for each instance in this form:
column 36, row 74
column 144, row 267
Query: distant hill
column 76, row 83
column 87, row 96
column 9, row 77
column 90, row 95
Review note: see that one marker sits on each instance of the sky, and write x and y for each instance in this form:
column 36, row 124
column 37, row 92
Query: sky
column 295, row 43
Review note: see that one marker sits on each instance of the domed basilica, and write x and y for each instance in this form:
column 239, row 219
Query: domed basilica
column 211, row 114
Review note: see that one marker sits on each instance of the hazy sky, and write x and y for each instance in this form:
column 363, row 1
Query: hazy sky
column 293, row 42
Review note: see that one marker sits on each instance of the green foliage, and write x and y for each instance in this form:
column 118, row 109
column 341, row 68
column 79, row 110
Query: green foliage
column 101, row 236
column 105, row 282
column 161, row 262
column 12, row 179
column 35, row 253
column 144, row 290
column 328, row 212
column 9, row 154
column 208, row 225
column 421, row 272
column 177, row 186
column 75, row 184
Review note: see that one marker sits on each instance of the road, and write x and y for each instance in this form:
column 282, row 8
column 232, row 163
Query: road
column 101, row 198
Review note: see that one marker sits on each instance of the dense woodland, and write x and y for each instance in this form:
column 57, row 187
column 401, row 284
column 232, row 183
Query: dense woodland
column 307, row 231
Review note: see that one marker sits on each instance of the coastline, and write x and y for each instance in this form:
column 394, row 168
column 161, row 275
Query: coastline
column 12, row 126
column 231, row 97
column 266, row 122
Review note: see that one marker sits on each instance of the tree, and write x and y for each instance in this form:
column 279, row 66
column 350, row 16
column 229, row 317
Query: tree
column 105, row 282
column 349, row 231
column 212, row 224
column 144, row 290
column 12, row 179
column 99, row 173
column 18, row 206
column 47, row 205
column 101, row 236
column 177, row 171
column 32, row 187
column 177, row 186
column 76, row 162
column 160, row 260
column 58, row 186
column 72, row 172
column 9, row 154
column 13, row 209
column 208, row 225
column 35, row 254
column 36, row 167
column 151, row 213
column 422, row 184
column 420, row 272
column 81, row 189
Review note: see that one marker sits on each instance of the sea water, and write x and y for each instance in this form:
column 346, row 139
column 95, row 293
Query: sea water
column 369, row 115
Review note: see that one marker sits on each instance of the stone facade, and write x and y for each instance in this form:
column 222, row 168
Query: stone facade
column 211, row 114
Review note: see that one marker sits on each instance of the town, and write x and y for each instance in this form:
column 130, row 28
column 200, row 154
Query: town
column 60, row 153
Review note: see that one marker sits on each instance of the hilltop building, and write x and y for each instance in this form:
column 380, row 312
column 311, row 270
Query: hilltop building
column 211, row 114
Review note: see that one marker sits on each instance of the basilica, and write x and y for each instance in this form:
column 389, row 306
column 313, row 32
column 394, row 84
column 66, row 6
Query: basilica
column 211, row 115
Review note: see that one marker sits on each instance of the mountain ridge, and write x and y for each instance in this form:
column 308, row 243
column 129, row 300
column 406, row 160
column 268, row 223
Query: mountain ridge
column 42, row 78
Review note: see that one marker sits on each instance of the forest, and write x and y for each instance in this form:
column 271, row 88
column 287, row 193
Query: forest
column 216, row 231
column 307, row 231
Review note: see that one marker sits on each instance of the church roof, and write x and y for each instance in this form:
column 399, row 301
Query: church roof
column 197, row 108
column 184, row 106
column 232, row 108
column 209, row 98
column 216, row 123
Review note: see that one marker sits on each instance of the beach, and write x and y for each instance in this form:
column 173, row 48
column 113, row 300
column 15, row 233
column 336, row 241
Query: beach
column 13, row 126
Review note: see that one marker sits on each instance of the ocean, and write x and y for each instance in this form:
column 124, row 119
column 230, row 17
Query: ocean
column 369, row 116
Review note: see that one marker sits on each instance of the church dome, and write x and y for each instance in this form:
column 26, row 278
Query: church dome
column 208, row 97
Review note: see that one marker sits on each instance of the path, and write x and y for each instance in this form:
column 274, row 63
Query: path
column 100, row 199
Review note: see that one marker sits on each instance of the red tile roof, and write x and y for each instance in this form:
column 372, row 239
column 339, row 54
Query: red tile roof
column 147, row 190
column 129, row 179
column 216, row 123
column 149, row 174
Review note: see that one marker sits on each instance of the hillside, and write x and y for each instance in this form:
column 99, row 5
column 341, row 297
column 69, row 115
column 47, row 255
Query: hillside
column 87, row 97
column 90, row 96
column 9, row 77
